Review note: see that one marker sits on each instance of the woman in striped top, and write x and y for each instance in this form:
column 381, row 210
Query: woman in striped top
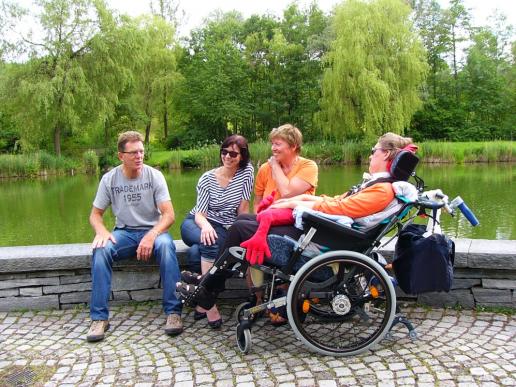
column 222, row 194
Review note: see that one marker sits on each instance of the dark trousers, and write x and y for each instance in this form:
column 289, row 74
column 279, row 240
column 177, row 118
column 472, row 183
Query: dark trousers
column 244, row 228
column 246, row 225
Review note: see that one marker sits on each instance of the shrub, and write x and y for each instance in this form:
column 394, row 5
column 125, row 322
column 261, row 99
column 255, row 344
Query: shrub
column 90, row 162
column 190, row 160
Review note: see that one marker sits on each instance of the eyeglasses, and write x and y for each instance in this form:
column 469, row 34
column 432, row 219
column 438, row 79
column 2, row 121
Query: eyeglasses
column 231, row 154
column 373, row 150
column 135, row 153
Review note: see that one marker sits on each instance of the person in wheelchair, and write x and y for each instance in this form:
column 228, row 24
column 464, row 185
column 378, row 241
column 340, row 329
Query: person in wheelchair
column 373, row 196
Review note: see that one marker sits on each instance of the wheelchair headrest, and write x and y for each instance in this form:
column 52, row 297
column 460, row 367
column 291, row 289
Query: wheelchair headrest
column 403, row 165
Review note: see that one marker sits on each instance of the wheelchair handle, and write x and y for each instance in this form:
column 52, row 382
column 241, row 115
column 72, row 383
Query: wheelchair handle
column 430, row 204
column 470, row 216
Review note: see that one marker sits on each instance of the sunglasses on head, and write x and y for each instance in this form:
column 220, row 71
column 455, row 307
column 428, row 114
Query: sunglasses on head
column 231, row 154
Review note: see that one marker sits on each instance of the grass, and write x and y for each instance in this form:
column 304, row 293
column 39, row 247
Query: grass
column 331, row 153
column 467, row 152
column 507, row 310
column 322, row 152
column 33, row 164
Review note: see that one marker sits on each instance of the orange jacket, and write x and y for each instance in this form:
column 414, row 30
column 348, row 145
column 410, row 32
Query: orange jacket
column 368, row 201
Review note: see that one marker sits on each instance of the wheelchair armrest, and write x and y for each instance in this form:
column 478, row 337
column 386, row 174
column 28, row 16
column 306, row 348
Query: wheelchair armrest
column 330, row 227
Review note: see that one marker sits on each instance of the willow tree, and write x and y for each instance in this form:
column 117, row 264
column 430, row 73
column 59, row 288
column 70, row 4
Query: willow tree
column 77, row 65
column 375, row 68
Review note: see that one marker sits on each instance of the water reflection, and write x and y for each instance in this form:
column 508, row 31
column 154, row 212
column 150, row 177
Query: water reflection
column 55, row 209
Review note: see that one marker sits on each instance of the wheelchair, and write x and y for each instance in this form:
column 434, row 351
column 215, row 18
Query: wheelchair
column 340, row 302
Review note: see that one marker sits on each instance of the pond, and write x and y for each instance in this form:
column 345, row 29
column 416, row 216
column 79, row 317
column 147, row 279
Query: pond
column 55, row 209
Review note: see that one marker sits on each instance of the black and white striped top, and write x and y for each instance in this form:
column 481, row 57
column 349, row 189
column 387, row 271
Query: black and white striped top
column 221, row 204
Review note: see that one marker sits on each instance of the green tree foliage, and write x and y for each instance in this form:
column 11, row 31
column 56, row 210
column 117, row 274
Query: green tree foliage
column 486, row 88
column 470, row 94
column 249, row 76
column 87, row 73
column 71, row 79
column 155, row 73
column 376, row 67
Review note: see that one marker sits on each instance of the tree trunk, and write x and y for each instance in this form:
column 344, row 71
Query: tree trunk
column 57, row 140
column 165, row 115
column 147, row 133
column 455, row 74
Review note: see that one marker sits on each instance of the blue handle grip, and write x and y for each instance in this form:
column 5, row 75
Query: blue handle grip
column 470, row 216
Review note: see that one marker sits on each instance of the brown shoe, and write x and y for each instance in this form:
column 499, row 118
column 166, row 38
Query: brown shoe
column 174, row 325
column 97, row 329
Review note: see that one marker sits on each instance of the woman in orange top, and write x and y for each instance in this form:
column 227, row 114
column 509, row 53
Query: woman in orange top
column 286, row 173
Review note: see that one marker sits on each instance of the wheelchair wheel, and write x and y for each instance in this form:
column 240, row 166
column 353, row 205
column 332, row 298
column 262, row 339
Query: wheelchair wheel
column 243, row 339
column 341, row 303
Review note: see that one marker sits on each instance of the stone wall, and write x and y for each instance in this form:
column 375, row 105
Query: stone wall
column 58, row 276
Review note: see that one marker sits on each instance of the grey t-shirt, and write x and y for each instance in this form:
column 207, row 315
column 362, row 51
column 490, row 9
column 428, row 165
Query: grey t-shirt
column 134, row 201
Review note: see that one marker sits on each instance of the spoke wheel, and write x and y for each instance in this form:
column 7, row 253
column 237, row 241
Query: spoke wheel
column 341, row 303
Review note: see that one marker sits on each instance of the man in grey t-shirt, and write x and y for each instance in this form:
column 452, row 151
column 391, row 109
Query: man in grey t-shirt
column 139, row 198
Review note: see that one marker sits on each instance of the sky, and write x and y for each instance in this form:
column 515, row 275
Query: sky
column 197, row 10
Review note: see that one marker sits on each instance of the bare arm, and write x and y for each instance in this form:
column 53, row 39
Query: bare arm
column 287, row 188
column 243, row 208
column 144, row 250
column 102, row 234
column 257, row 200
column 208, row 233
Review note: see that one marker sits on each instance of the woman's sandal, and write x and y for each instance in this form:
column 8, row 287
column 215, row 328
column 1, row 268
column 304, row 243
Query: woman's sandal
column 199, row 315
column 216, row 324
column 190, row 278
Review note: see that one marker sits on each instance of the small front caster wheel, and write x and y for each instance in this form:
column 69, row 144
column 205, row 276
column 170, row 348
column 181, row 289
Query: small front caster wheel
column 244, row 339
column 413, row 335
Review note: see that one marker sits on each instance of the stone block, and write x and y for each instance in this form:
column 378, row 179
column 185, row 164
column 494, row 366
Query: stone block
column 483, row 295
column 465, row 283
column 230, row 294
column 45, row 257
column 5, row 277
column 484, row 273
column 74, row 298
column 402, row 295
column 48, row 273
column 17, row 303
column 74, row 279
column 20, row 259
column 462, row 247
column 9, row 292
column 492, row 254
column 28, row 282
column 146, row 295
column 134, row 280
column 67, row 288
column 497, row 304
column 460, row 297
column 491, row 283
column 121, row 296
column 31, row 292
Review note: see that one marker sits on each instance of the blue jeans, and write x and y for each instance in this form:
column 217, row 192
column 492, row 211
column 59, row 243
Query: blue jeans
column 127, row 241
column 191, row 235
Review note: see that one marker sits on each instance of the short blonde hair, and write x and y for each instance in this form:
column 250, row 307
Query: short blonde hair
column 288, row 133
column 125, row 137
column 393, row 143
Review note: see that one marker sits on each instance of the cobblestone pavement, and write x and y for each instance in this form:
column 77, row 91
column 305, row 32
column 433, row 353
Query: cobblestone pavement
column 456, row 348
